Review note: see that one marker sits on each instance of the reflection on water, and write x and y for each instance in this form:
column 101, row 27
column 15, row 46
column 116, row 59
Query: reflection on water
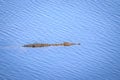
column 95, row 24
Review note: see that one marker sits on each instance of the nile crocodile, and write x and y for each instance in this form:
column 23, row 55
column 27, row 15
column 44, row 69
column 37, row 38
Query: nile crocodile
column 46, row 45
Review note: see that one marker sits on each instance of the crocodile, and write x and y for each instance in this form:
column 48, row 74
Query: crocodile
column 47, row 45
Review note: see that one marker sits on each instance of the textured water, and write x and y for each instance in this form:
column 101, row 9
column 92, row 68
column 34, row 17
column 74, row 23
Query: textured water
column 93, row 23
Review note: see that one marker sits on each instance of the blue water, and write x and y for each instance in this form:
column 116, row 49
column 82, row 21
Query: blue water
column 93, row 23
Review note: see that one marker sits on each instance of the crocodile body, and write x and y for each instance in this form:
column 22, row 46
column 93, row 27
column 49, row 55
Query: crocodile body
column 47, row 45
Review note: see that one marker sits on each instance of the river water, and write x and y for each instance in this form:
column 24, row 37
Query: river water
column 93, row 23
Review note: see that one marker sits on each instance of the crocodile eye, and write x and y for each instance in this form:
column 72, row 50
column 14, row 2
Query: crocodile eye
column 33, row 46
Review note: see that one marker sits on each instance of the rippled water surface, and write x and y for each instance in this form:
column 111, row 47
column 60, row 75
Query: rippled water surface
column 93, row 23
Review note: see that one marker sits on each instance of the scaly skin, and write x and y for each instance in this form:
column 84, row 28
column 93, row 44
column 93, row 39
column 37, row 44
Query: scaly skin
column 46, row 45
